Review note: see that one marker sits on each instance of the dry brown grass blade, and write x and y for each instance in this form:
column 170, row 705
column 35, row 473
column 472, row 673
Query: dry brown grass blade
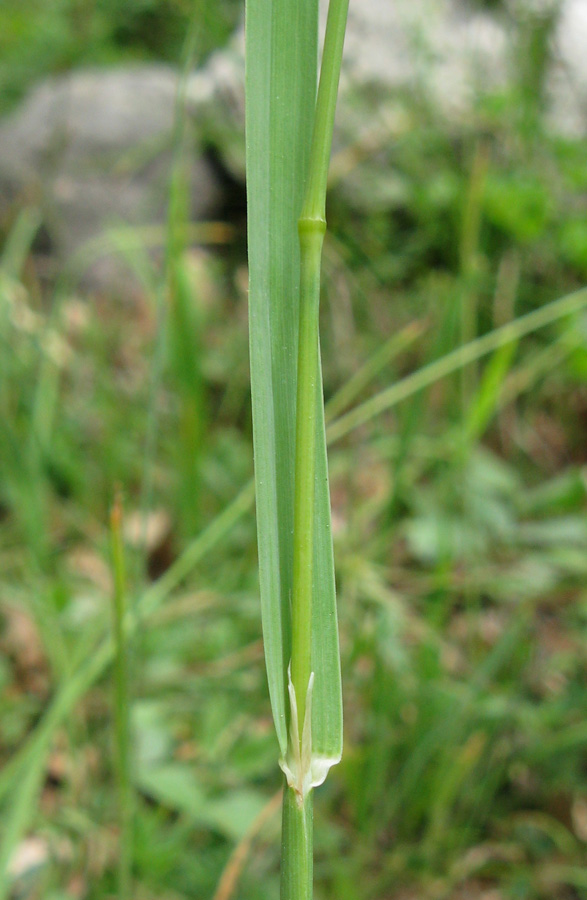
column 237, row 859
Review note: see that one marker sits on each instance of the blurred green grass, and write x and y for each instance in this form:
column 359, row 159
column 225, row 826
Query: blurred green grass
column 41, row 37
column 459, row 520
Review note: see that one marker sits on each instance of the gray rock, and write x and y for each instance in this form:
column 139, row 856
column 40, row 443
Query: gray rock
column 93, row 148
column 447, row 54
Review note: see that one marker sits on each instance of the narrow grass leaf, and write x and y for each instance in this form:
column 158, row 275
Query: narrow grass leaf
column 281, row 91
column 456, row 360
column 486, row 399
column 121, row 697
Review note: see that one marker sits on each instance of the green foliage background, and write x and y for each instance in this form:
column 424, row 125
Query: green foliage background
column 38, row 38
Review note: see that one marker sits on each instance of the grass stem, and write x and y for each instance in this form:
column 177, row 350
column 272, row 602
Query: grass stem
column 121, row 704
column 311, row 238
column 297, row 852
column 311, row 229
column 297, row 847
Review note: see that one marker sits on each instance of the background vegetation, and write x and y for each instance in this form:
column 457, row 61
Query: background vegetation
column 38, row 38
column 459, row 519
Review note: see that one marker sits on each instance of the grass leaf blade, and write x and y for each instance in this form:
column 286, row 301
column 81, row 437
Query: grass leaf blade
column 281, row 65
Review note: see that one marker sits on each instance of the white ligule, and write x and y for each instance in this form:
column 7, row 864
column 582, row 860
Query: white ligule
column 302, row 770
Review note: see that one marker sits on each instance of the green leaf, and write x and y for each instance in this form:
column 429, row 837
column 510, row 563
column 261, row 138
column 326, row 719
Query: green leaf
column 485, row 401
column 233, row 814
column 175, row 786
column 281, row 93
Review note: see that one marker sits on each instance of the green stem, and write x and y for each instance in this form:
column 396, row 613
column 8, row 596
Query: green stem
column 121, row 705
column 311, row 227
column 315, row 199
column 311, row 238
column 296, row 842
